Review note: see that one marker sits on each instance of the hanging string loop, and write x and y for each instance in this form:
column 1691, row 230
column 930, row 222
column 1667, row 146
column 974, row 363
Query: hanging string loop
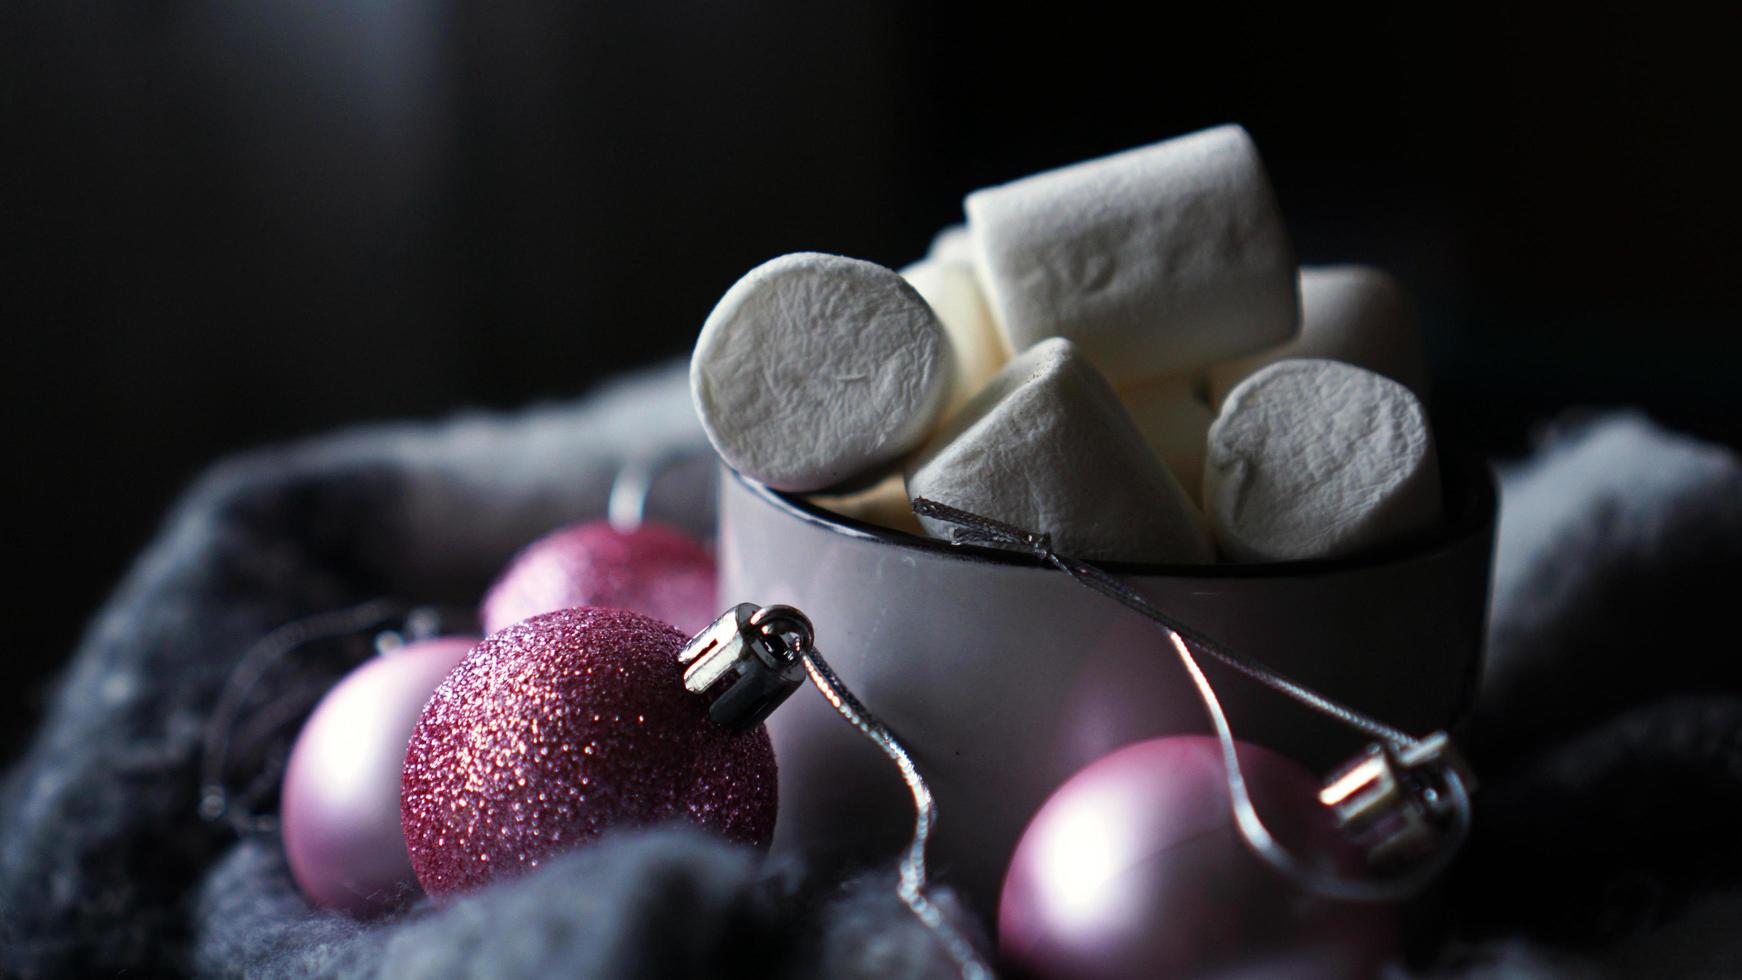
column 1405, row 799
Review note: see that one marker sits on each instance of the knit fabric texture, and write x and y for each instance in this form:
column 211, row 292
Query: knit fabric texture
column 1608, row 734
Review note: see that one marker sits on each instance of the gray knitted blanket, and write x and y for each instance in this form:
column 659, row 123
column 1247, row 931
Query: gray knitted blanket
column 1609, row 730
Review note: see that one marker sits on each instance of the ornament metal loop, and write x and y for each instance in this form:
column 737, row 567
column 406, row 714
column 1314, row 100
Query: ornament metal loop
column 626, row 507
column 632, row 487
column 787, row 625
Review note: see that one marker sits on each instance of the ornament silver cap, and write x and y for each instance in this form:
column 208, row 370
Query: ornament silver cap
column 747, row 662
column 1393, row 800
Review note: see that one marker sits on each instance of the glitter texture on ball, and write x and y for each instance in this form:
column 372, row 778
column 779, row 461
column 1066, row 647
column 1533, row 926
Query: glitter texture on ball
column 559, row 728
column 653, row 569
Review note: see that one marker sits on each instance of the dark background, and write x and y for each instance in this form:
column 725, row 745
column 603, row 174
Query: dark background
column 240, row 224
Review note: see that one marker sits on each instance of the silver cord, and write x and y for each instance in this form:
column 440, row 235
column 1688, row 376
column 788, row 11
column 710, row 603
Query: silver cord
column 973, row 528
column 1260, row 841
column 912, row 884
column 216, row 801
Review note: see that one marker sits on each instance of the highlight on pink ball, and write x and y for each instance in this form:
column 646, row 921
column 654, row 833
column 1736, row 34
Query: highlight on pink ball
column 339, row 809
column 1134, row 868
column 653, row 569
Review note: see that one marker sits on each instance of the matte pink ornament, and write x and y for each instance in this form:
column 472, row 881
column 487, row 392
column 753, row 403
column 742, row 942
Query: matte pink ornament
column 1134, row 868
column 653, row 569
column 339, row 808
column 559, row 728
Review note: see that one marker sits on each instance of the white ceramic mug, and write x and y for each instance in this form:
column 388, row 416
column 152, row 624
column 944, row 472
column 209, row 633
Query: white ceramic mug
column 1004, row 677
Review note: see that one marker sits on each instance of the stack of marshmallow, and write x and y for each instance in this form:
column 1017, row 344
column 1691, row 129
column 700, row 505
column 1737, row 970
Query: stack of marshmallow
column 1121, row 353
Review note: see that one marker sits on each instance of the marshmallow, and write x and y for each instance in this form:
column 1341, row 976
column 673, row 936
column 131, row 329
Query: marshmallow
column 1047, row 447
column 814, row 369
column 884, row 504
column 954, row 295
column 1351, row 313
column 1175, row 423
column 1155, row 261
column 953, row 244
column 1315, row 459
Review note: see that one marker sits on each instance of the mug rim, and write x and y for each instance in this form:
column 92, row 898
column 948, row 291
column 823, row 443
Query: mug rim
column 1466, row 484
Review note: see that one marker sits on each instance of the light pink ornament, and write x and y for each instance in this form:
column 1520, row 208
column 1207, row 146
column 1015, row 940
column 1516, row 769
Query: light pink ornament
column 652, row 569
column 339, row 808
column 1134, row 868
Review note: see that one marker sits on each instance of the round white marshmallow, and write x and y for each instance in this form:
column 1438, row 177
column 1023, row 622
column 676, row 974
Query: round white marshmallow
column 814, row 369
column 1351, row 313
column 1046, row 446
column 1155, row 261
column 1316, row 459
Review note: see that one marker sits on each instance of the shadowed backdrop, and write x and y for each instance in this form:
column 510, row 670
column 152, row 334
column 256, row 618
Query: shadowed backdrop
column 242, row 225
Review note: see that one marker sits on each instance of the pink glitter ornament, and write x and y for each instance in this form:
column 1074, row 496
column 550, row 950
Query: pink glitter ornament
column 563, row 726
column 1134, row 868
column 339, row 808
column 653, row 569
